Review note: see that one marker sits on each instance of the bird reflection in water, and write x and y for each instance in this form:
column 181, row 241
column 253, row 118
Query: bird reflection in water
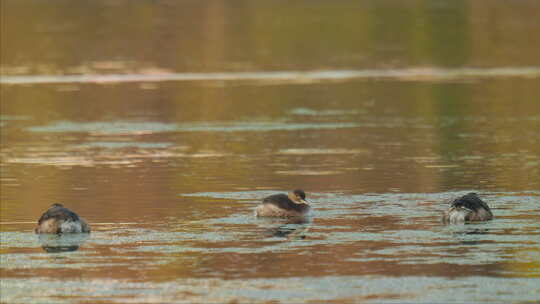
column 289, row 228
column 468, row 235
column 62, row 242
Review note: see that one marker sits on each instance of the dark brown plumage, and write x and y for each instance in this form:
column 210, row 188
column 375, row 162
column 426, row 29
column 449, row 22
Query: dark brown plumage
column 58, row 219
column 281, row 205
column 468, row 208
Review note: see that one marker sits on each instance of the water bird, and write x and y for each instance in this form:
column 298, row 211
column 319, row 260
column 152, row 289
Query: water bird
column 292, row 204
column 468, row 208
column 59, row 219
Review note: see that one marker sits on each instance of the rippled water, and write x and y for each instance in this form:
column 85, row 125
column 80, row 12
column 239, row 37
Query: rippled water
column 389, row 247
column 164, row 131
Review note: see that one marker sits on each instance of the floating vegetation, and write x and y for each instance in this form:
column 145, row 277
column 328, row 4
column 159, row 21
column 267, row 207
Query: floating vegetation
column 145, row 128
column 317, row 151
column 428, row 74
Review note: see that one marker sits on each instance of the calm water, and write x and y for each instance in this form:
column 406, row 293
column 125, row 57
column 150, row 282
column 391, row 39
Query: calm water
column 164, row 123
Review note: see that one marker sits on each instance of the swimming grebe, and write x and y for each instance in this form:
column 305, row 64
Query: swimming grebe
column 58, row 219
column 468, row 208
column 281, row 205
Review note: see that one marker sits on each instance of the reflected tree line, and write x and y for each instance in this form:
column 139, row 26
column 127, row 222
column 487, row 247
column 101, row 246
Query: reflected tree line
column 190, row 36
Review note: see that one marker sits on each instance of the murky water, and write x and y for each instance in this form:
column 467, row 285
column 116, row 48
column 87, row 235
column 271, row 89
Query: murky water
column 166, row 125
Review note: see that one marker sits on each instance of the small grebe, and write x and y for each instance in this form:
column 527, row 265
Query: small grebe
column 281, row 205
column 467, row 208
column 58, row 219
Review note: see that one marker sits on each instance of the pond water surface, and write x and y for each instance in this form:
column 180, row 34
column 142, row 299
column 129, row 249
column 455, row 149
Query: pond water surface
column 164, row 123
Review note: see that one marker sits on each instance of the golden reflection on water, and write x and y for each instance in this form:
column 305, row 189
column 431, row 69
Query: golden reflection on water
column 165, row 130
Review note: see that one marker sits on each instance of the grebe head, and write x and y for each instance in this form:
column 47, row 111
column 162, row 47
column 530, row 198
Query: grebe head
column 298, row 196
column 469, row 201
column 57, row 205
